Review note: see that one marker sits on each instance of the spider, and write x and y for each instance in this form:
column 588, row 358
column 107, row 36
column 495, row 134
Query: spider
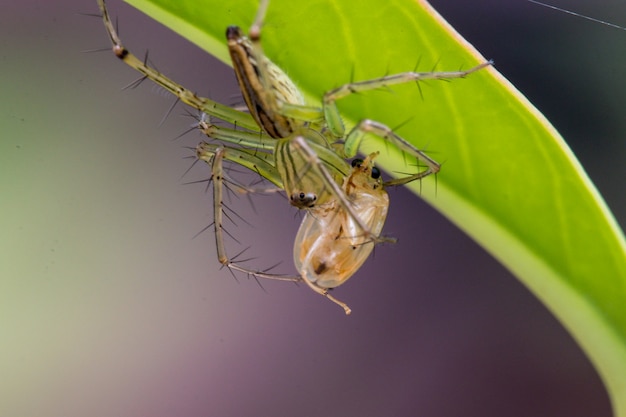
column 300, row 148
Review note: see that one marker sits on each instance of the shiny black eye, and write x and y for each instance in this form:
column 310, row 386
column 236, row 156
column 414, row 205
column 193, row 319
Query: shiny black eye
column 302, row 200
column 375, row 173
column 356, row 162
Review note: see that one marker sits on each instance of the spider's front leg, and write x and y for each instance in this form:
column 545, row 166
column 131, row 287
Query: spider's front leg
column 185, row 95
column 329, row 102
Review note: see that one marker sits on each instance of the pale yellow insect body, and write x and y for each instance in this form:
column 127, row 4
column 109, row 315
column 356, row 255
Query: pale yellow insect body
column 330, row 246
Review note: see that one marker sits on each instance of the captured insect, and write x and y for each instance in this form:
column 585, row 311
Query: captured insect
column 330, row 246
column 301, row 148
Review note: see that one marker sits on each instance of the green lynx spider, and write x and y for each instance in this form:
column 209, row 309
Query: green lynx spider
column 306, row 146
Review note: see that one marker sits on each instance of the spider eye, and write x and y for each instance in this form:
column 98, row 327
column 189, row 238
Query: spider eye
column 303, row 200
column 375, row 173
column 356, row 162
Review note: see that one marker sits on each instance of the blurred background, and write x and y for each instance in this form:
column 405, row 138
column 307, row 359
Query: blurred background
column 110, row 307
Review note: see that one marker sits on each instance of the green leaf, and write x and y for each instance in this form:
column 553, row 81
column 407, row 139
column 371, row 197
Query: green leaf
column 508, row 178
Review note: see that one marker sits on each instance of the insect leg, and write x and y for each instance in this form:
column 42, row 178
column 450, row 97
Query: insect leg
column 325, row 292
